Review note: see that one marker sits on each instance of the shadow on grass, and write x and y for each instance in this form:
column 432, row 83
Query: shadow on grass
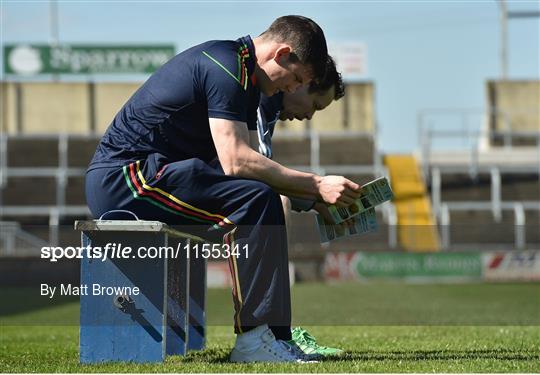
column 221, row 356
column 436, row 355
column 214, row 355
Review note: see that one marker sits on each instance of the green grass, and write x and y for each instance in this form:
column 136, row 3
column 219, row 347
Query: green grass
column 454, row 331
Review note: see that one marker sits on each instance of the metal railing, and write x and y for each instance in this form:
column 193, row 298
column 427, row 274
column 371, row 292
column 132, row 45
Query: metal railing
column 390, row 216
column 474, row 156
column 518, row 209
column 457, row 125
column 495, row 172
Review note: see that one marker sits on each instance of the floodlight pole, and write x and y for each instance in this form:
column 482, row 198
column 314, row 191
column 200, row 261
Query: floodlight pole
column 55, row 32
column 505, row 15
column 53, row 20
column 504, row 39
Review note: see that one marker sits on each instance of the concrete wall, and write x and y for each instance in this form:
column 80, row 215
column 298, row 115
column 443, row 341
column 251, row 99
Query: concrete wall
column 520, row 100
column 355, row 112
column 332, row 117
column 52, row 107
column 9, row 108
column 109, row 98
column 361, row 107
column 36, row 107
column 48, row 107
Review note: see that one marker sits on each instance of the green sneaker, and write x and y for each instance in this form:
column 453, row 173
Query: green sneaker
column 308, row 344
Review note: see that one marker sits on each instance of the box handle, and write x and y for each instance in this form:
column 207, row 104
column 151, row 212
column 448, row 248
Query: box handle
column 115, row 211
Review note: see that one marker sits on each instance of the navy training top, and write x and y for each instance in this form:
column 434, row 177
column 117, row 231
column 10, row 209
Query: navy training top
column 169, row 113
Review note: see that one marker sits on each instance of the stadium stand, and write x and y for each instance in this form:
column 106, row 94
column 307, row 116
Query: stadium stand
column 58, row 140
column 484, row 197
column 48, row 145
column 487, row 196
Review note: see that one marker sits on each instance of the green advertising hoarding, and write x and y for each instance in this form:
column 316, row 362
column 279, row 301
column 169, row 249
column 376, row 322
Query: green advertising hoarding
column 85, row 59
column 417, row 265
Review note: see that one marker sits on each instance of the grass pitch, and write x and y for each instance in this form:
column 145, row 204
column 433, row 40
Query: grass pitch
column 383, row 327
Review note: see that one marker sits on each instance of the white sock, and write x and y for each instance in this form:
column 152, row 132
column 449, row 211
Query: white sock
column 251, row 340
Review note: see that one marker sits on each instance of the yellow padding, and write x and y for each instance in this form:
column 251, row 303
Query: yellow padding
column 407, row 189
column 417, row 228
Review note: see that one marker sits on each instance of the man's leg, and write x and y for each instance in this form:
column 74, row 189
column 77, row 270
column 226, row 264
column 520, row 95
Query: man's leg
column 298, row 336
column 247, row 213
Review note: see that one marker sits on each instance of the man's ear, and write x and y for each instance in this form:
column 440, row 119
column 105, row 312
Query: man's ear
column 282, row 54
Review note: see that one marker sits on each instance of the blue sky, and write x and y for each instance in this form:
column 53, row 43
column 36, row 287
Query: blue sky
column 420, row 54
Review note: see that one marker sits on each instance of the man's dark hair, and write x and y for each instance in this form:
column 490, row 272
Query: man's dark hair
column 332, row 78
column 306, row 39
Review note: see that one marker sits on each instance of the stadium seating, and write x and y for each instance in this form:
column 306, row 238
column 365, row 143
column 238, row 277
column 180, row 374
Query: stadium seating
column 334, row 149
column 477, row 199
column 487, row 193
column 291, row 150
column 346, row 150
column 463, row 187
column 30, row 191
column 32, row 152
column 80, row 151
column 532, row 224
column 520, row 187
column 474, row 205
column 75, row 191
column 479, row 228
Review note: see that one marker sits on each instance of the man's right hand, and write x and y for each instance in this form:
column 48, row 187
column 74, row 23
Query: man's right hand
column 338, row 190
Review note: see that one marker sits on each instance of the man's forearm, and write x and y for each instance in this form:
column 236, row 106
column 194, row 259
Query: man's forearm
column 233, row 146
column 283, row 180
column 231, row 140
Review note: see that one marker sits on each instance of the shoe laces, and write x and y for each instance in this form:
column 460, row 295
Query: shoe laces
column 304, row 337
